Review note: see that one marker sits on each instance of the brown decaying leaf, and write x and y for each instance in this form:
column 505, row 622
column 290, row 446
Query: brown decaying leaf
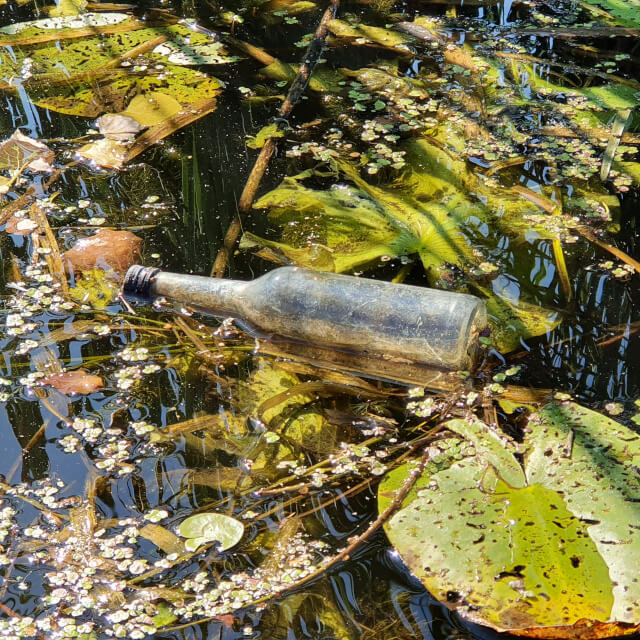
column 78, row 381
column 107, row 153
column 18, row 149
column 116, row 126
column 20, row 225
column 107, row 249
column 583, row 630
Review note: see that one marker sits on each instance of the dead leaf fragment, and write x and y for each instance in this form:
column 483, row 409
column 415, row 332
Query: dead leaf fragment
column 106, row 153
column 78, row 381
column 116, row 126
column 20, row 225
column 107, row 249
column 19, row 149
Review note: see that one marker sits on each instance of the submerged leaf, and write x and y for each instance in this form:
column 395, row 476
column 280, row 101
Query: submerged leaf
column 513, row 321
column 163, row 539
column 107, row 249
column 68, row 8
column 364, row 33
column 429, row 212
column 617, row 129
column 71, row 382
column 303, row 425
column 270, row 131
column 95, row 287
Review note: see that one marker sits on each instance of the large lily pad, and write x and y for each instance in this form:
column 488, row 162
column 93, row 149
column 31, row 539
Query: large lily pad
column 625, row 13
column 550, row 552
column 88, row 76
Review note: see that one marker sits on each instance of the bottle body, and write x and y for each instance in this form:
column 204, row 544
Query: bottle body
column 372, row 317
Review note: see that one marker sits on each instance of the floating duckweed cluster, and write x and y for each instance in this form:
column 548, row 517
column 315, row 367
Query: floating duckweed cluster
column 89, row 581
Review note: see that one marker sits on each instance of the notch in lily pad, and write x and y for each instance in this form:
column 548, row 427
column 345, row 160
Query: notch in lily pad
column 211, row 527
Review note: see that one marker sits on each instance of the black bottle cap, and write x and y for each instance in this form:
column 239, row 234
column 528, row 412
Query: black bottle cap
column 137, row 283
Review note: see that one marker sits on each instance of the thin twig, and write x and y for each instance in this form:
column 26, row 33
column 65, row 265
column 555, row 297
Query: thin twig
column 54, row 259
column 297, row 89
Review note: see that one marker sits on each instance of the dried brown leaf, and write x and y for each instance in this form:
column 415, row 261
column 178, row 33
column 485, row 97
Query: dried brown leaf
column 116, row 126
column 19, row 149
column 78, row 381
column 20, row 225
column 107, row 249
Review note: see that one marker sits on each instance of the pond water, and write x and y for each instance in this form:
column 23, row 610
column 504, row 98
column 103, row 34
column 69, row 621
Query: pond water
column 458, row 145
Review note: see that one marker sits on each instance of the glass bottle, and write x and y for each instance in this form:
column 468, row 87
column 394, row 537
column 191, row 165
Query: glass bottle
column 361, row 315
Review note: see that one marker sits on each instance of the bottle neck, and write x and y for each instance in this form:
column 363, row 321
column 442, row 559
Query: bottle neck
column 215, row 296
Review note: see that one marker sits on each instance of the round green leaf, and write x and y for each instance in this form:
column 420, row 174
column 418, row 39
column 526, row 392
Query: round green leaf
column 540, row 554
column 211, row 527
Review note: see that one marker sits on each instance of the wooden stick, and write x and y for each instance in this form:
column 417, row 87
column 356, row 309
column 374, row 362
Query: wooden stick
column 297, row 89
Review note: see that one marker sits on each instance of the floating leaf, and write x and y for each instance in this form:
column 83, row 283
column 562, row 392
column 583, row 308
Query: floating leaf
column 185, row 86
column 19, row 150
column 211, row 527
column 71, row 382
column 625, row 13
column 59, row 24
column 594, row 461
column 107, row 249
column 105, row 152
column 270, row 131
column 183, row 53
column 20, row 225
column 552, row 558
column 118, row 126
column 93, row 75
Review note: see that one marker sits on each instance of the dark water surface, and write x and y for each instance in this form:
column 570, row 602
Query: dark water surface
column 198, row 174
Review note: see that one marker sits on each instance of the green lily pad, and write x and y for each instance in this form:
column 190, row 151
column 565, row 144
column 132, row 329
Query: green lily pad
column 211, row 527
column 33, row 28
column 546, row 549
column 89, row 76
column 625, row 13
